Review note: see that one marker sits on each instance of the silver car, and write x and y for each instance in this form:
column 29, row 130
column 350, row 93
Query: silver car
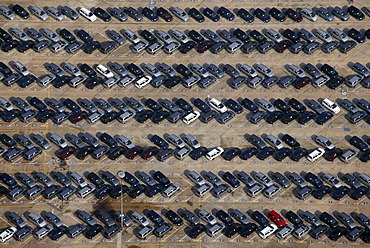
column 51, row 218
column 50, row 34
column 163, row 36
column 296, row 71
column 19, row 67
column 262, row 178
column 325, row 142
column 19, row 34
column 181, row 14
column 239, row 216
column 124, row 141
column 21, row 104
column 332, row 180
column 311, row 218
column 175, row 140
column 73, row 70
column 55, row 13
column 265, row 70
column 41, row 141
column 198, row 69
column 190, row 140
column 207, row 217
column 59, row 141
column 273, row 141
column 266, row 105
column 178, row 35
column 74, row 140
column 38, row 12
column 7, row 12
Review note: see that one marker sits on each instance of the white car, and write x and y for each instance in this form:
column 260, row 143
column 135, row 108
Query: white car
column 273, row 35
column 55, row 13
column 59, row 141
column 267, row 231
column 339, row 34
column 214, row 153
column 248, row 70
column 196, row 178
column 19, row 67
column 143, row 82
column 87, row 14
column 296, row 71
column 332, row 180
column 333, row 107
column 104, row 71
column 191, row 117
column 309, row 14
column 7, row 234
column 180, row 13
column 322, row 35
column 315, row 154
column 180, row 36
column 39, row 13
column 217, row 105
column 265, row 70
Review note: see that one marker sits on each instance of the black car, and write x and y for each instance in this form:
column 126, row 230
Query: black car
column 231, row 230
column 198, row 153
column 288, row 117
column 164, row 14
column 148, row 36
column 294, row 15
column 291, row 35
column 174, row 217
column 84, row 36
column 88, row 70
column 262, row 15
column 159, row 116
column 9, row 116
column 290, row 141
column 153, row 105
column 150, row 14
column 89, row 48
column 282, row 153
column 159, row 177
column 153, row 190
column 225, row 13
column 109, row 140
column 10, row 45
column 234, row 106
column 328, row 70
column 196, row 36
column 92, row 231
column 293, row 218
column 83, row 152
column 102, row 191
column 319, row 193
column 357, row 193
column 209, row 13
column 297, row 154
column 314, row 180
column 57, row 232
column 339, row 193
column 329, row 220
column 8, row 180
column 224, row 217
column 245, row 15
column 115, row 153
column 45, row 115
column 155, row 217
column 296, row 105
column 133, row 13
column 160, row 142
column 355, row 12
column 356, row 35
column 196, row 15
column 323, row 118
column 247, row 153
column 130, row 179
column 8, row 141
column 134, row 69
column 196, row 230
column 241, row 35
column 231, row 179
column 250, row 105
column 102, row 14
column 202, row 47
column 187, row 47
column 257, row 36
column 5, row 70
column 281, row 105
column 136, row 191
column 71, row 105
column 68, row 36
column 358, row 143
column 95, row 179
column 149, row 152
column 305, row 117
column 259, row 218
column 144, row 115
column 335, row 233
column 277, row 14
column 184, row 105
column 19, row 10
column 23, row 46
column 247, row 229
column 200, row 104
column 265, row 153
column 118, row 191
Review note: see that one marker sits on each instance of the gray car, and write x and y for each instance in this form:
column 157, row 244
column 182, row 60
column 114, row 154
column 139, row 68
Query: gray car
column 69, row 12
column 315, row 106
column 169, row 105
column 209, row 34
column 51, row 218
column 102, row 104
column 71, row 69
column 41, row 141
column 310, row 218
column 14, row 218
column 115, row 36
column 55, row 104
column 349, row 106
column 145, row 178
column 166, row 69
column 117, row 13
column 88, row 138
column 55, row 13
column 21, row 104
column 123, row 140
column 42, row 178
column 280, row 179
column 325, row 14
column 50, row 34
column 325, row 142
column 38, row 12
column 118, row 68
column 18, row 34
column 74, row 140
column 175, row 140
column 53, row 68
column 239, row 216
column 214, row 70
column 297, row 180
column 346, row 220
column 212, row 178
column 7, row 12
column 86, row 104
column 34, row 34
column 110, row 178
column 85, row 217
column 25, row 179
column 23, row 141
column 133, row 103
column 118, row 104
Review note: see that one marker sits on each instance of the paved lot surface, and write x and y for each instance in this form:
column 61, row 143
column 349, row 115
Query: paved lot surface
column 213, row 134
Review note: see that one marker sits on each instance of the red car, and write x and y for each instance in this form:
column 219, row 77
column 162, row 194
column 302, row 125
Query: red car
column 276, row 218
column 64, row 153
column 133, row 152
column 149, row 152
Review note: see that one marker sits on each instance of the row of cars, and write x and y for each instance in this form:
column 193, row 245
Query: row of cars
column 184, row 41
column 214, row 14
column 162, row 74
column 101, row 185
column 223, row 110
column 215, row 222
